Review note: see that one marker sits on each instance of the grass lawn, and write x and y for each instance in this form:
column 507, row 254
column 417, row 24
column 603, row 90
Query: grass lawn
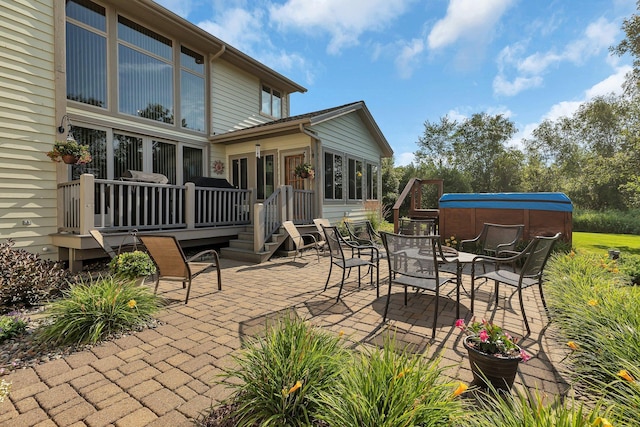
column 601, row 243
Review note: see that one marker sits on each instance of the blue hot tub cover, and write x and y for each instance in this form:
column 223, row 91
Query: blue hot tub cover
column 533, row 201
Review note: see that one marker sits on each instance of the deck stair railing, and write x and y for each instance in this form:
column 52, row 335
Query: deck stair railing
column 414, row 191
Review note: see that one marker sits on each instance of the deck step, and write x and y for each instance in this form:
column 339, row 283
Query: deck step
column 245, row 255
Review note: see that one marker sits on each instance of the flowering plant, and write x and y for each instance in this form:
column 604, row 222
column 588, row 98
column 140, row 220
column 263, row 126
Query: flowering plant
column 131, row 265
column 489, row 338
column 451, row 242
column 72, row 148
column 303, row 170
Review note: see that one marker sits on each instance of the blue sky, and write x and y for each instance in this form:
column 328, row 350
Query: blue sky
column 412, row 60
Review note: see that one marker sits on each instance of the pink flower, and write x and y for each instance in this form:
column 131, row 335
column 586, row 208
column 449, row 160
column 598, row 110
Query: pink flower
column 484, row 336
column 525, row 356
column 460, row 324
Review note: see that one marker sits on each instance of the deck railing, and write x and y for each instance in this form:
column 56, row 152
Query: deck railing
column 125, row 205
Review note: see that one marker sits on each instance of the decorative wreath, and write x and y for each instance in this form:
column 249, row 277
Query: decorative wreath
column 218, row 167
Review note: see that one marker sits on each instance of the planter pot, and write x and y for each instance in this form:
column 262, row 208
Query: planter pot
column 69, row 159
column 304, row 174
column 500, row 372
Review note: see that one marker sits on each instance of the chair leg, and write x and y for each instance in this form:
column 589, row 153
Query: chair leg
column 473, row 289
column 186, row 300
column 524, row 315
column 329, row 276
column 435, row 315
column 155, row 290
column 386, row 307
column 341, row 285
column 378, row 279
column 497, row 284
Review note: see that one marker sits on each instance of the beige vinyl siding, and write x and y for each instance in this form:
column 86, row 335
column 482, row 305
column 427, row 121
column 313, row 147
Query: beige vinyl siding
column 347, row 135
column 235, row 99
column 27, row 125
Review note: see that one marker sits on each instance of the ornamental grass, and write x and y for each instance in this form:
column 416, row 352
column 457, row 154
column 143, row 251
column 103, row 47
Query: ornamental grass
column 89, row 312
column 595, row 308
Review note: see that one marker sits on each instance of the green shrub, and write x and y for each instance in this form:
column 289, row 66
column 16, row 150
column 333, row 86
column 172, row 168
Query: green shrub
column 610, row 221
column 528, row 409
column 630, row 265
column 388, row 388
column 282, row 373
column 91, row 312
column 11, row 325
column 597, row 313
column 26, row 279
column 129, row 265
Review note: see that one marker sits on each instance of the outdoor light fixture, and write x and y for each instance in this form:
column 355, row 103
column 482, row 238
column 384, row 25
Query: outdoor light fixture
column 64, row 123
column 258, row 150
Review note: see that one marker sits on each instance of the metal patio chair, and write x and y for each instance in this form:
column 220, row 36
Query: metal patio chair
column 337, row 246
column 535, row 257
column 166, row 253
column 414, row 261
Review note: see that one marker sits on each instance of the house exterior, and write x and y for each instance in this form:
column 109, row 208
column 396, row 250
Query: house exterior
column 148, row 91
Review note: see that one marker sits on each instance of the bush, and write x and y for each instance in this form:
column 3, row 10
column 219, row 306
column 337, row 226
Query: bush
column 282, row 373
column 597, row 313
column 11, row 325
column 26, row 278
column 610, row 221
column 130, row 265
column 388, row 388
column 630, row 265
column 91, row 312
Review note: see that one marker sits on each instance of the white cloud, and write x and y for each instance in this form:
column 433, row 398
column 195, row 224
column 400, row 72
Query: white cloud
column 612, row 84
column 344, row 21
column 240, row 28
column 467, row 19
column 527, row 71
column 404, row 159
column 408, row 56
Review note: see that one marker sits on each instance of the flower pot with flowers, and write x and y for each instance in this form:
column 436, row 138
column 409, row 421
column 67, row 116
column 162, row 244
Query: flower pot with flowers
column 304, row 170
column 493, row 354
column 132, row 265
column 70, row 152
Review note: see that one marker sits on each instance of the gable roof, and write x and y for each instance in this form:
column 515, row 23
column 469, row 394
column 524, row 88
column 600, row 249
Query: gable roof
column 295, row 124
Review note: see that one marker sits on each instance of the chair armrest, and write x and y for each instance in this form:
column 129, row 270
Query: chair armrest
column 203, row 253
column 448, row 251
column 309, row 235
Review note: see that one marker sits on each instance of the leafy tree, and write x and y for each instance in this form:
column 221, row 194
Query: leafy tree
column 390, row 185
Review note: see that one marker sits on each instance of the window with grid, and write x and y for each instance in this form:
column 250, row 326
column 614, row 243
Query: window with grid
column 333, row 176
column 355, row 179
column 372, row 181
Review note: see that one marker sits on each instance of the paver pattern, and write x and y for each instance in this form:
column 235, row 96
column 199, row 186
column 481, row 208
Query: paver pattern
column 169, row 376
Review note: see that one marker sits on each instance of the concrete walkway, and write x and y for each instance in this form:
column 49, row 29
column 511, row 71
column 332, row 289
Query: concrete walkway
column 168, row 376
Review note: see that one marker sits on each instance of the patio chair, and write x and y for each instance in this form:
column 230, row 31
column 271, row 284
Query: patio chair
column 166, row 253
column 495, row 238
column 414, row 261
column 98, row 237
column 299, row 242
column 535, row 257
column 362, row 232
column 337, row 245
column 417, row 227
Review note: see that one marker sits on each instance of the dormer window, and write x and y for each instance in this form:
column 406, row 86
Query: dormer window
column 271, row 102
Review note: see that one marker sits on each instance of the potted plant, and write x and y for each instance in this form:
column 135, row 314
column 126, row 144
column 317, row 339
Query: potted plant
column 493, row 354
column 70, row 152
column 132, row 265
column 304, row 170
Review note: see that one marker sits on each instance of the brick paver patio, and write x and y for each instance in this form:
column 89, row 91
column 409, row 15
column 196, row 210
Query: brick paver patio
column 168, row 376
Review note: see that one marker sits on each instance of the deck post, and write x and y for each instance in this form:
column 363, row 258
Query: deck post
column 258, row 227
column 287, row 203
column 190, row 205
column 87, row 202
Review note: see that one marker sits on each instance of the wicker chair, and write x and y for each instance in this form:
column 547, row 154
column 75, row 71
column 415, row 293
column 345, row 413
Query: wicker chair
column 166, row 253
column 535, row 257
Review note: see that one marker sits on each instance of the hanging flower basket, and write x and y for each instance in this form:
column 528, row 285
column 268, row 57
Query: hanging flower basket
column 70, row 152
column 304, row 170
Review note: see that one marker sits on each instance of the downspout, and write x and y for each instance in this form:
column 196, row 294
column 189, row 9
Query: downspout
column 218, row 54
column 316, row 165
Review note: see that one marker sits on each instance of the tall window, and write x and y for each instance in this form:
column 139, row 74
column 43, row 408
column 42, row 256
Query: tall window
column 239, row 173
column 97, row 142
column 333, row 175
column 86, row 53
column 191, row 89
column 145, row 72
column 271, row 102
column 164, row 160
column 265, row 176
column 372, row 181
column 191, row 164
column 355, row 179
column 127, row 154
